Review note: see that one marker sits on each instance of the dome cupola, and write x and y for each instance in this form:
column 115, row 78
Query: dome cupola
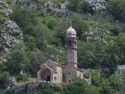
column 70, row 32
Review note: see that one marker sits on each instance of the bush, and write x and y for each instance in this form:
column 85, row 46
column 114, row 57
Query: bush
column 15, row 59
column 79, row 24
column 21, row 77
column 79, row 86
column 117, row 9
column 45, row 88
column 116, row 30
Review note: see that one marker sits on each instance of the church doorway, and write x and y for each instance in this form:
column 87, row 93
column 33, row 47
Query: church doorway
column 46, row 75
column 48, row 78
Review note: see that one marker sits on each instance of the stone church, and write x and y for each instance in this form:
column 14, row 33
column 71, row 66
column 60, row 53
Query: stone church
column 51, row 71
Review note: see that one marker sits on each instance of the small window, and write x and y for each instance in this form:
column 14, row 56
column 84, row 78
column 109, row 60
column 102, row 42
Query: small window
column 55, row 78
column 69, row 73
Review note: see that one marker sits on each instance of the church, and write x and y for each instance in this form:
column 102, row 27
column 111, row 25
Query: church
column 53, row 72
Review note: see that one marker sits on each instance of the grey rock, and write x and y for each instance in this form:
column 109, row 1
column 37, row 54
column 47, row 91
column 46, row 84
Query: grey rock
column 5, row 9
column 97, row 5
column 10, row 35
column 10, row 24
column 56, row 9
column 7, row 12
column 3, row 4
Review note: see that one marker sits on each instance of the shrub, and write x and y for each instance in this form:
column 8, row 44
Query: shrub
column 22, row 77
column 117, row 9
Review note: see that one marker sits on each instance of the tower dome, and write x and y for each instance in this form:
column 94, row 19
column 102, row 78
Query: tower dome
column 70, row 32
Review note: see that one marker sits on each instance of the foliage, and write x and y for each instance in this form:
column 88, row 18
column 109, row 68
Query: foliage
column 45, row 89
column 4, row 80
column 85, row 55
column 79, row 24
column 105, row 85
column 23, row 18
column 81, row 6
column 116, row 8
column 78, row 86
column 35, row 58
column 21, row 77
column 121, row 45
column 16, row 59
column 44, row 37
column 116, row 30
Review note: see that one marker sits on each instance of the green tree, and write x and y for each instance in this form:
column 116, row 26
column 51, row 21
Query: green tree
column 79, row 86
column 42, row 35
column 36, row 58
column 79, row 24
column 74, row 5
column 16, row 58
column 116, row 8
column 51, row 22
column 81, row 6
column 110, row 59
column 120, row 40
column 24, row 18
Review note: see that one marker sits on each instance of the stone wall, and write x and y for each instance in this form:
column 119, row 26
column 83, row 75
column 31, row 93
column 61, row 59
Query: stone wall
column 58, row 77
column 69, row 72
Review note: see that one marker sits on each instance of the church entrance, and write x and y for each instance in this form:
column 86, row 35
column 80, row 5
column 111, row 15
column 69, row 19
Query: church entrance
column 46, row 75
column 48, row 78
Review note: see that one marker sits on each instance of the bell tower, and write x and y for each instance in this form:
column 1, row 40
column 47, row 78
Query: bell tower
column 71, row 47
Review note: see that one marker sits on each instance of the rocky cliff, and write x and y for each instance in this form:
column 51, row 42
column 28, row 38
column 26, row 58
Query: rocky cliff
column 10, row 33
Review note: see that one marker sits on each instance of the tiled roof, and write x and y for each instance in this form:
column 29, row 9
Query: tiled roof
column 50, row 68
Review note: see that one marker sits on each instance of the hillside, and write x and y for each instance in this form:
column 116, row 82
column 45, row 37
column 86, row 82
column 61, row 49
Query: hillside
column 32, row 31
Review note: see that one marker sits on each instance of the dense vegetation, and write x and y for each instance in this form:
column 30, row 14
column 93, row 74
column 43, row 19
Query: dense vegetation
column 44, row 39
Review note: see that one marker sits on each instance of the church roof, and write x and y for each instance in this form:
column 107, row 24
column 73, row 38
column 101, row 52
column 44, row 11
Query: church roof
column 55, row 63
column 49, row 64
column 51, row 61
column 50, row 68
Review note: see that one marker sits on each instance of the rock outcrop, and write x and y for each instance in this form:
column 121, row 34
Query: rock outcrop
column 5, row 9
column 55, row 9
column 10, row 34
column 97, row 5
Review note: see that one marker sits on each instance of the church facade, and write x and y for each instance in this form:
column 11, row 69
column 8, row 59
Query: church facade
column 51, row 71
